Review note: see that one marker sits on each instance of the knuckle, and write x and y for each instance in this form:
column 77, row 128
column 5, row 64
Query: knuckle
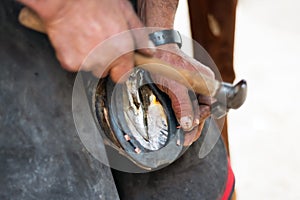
column 121, row 67
column 69, row 65
column 210, row 73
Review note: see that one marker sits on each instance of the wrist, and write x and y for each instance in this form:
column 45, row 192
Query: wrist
column 161, row 24
column 158, row 13
column 173, row 48
column 167, row 37
column 163, row 37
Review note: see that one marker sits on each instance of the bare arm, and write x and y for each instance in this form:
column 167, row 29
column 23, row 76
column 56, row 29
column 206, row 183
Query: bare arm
column 190, row 113
column 158, row 13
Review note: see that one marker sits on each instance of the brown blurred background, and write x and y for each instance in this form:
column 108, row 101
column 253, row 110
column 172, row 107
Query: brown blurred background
column 263, row 134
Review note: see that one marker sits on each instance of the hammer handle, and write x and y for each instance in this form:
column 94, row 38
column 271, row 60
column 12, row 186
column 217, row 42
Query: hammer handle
column 199, row 83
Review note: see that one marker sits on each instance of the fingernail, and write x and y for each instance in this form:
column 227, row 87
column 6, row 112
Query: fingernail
column 186, row 123
column 196, row 121
column 205, row 112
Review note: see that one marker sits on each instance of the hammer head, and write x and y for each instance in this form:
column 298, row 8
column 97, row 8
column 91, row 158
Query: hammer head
column 229, row 96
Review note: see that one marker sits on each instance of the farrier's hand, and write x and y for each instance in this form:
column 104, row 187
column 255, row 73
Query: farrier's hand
column 75, row 27
column 190, row 113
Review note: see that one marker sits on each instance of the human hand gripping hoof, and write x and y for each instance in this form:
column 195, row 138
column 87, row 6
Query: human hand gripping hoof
column 190, row 109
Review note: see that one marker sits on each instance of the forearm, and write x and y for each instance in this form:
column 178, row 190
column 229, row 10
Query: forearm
column 157, row 13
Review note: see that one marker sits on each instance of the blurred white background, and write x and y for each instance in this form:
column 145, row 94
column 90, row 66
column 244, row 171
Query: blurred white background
column 264, row 133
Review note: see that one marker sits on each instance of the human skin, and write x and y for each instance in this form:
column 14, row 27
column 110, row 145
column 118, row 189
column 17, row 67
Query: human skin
column 76, row 27
column 190, row 114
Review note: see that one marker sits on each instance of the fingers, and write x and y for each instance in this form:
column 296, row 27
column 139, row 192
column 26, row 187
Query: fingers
column 203, row 111
column 113, row 56
column 121, row 67
column 205, row 100
column 142, row 42
column 120, row 45
column 196, row 112
column 190, row 110
column 193, row 135
column 68, row 59
column 79, row 33
column 140, row 34
column 189, row 137
column 183, row 108
column 118, row 70
column 203, row 69
column 181, row 103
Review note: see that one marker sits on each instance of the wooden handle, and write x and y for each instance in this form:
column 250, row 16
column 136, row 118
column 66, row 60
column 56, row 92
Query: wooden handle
column 198, row 82
column 30, row 19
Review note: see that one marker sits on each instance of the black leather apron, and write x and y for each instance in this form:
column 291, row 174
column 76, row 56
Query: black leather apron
column 41, row 156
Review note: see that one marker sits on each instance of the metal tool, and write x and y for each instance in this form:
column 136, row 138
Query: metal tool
column 138, row 149
column 227, row 96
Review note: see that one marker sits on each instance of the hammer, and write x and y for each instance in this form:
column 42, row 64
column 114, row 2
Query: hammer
column 227, row 96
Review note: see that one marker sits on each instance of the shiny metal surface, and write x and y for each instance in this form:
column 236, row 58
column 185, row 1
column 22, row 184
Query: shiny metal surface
column 144, row 114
